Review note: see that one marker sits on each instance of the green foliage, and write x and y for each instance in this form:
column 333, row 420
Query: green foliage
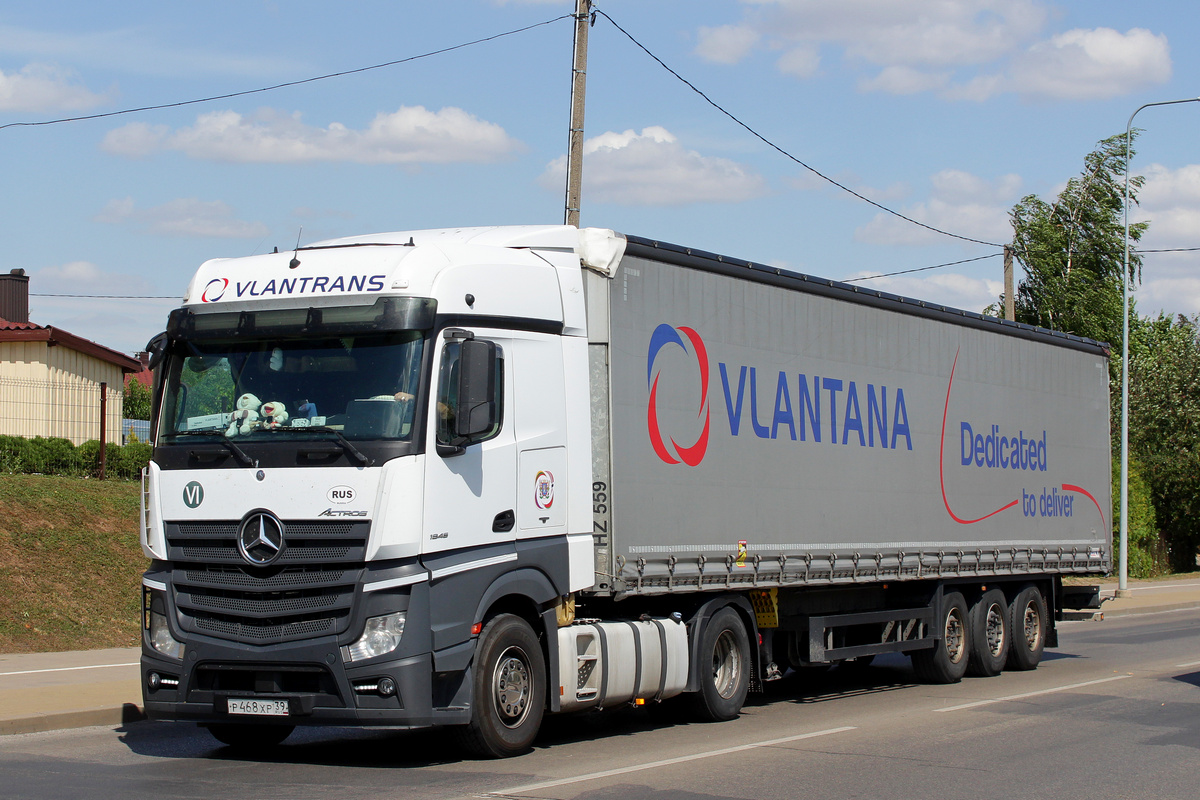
column 41, row 456
column 211, row 391
column 137, row 401
column 1073, row 250
column 1147, row 551
column 1164, row 426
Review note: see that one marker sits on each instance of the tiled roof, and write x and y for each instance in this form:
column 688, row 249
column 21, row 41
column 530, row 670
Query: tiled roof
column 32, row 332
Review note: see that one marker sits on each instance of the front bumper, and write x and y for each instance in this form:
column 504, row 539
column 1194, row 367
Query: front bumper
column 310, row 676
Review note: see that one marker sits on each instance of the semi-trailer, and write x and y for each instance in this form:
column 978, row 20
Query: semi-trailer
column 468, row 477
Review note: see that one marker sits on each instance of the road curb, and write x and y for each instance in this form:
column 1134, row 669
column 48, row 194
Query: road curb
column 1098, row 616
column 62, row 720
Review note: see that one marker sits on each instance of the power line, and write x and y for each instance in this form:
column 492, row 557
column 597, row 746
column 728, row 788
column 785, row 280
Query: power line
column 1172, row 250
column 921, row 269
column 783, row 152
column 110, row 296
column 287, row 84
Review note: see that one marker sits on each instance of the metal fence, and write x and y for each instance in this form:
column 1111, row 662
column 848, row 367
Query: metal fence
column 69, row 408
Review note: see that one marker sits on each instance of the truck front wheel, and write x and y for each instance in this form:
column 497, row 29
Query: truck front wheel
column 947, row 661
column 723, row 665
column 509, row 689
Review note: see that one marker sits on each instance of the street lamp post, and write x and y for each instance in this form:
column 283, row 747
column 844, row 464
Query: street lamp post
column 1123, row 577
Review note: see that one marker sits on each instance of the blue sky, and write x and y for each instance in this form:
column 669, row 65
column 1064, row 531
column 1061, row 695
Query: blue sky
column 948, row 111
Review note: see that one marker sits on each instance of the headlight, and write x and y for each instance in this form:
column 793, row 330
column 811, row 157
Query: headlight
column 156, row 625
column 381, row 635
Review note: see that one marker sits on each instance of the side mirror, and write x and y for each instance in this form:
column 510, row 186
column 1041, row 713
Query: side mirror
column 477, row 412
column 157, row 348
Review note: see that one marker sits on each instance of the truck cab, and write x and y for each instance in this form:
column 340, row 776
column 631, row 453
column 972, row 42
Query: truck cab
column 362, row 450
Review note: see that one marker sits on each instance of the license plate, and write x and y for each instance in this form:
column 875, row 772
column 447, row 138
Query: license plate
column 266, row 708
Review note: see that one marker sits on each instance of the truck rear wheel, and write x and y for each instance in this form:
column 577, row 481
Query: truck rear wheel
column 241, row 737
column 723, row 663
column 1027, row 623
column 988, row 635
column 947, row 661
column 509, row 689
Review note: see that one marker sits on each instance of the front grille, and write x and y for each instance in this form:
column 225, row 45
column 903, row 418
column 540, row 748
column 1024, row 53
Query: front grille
column 308, row 592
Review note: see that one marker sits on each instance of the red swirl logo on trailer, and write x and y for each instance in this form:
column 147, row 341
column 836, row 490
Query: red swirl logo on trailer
column 665, row 336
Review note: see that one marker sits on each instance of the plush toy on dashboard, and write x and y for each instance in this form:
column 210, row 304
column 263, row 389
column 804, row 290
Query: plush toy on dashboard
column 274, row 414
column 245, row 417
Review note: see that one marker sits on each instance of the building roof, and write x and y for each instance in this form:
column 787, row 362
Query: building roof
column 32, row 332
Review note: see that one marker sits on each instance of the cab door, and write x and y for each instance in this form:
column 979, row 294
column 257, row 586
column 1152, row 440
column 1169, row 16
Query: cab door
column 469, row 486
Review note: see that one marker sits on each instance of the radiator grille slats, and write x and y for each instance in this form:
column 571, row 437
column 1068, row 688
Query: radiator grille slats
column 308, row 592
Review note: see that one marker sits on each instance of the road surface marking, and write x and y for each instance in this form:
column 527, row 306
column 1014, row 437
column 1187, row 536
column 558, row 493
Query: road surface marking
column 1189, row 664
column 978, row 703
column 608, row 773
column 65, row 669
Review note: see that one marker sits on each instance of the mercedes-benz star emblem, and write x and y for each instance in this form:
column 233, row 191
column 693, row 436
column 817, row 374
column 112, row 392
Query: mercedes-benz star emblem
column 260, row 538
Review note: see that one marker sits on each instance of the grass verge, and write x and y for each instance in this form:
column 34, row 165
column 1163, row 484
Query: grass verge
column 70, row 564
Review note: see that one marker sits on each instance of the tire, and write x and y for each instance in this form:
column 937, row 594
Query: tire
column 947, row 661
column 1028, row 622
column 725, row 645
column 509, row 682
column 989, row 637
column 243, row 737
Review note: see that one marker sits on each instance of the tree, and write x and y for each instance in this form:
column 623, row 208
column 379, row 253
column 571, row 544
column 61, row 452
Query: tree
column 137, row 400
column 1073, row 249
column 1164, row 425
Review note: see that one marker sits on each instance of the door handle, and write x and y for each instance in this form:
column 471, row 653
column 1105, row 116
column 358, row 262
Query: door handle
column 504, row 522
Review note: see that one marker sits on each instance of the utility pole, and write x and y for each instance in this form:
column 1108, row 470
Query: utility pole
column 1010, row 313
column 578, row 88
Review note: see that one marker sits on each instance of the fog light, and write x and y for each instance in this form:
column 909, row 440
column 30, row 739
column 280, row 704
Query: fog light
column 153, row 680
column 381, row 635
column 387, row 687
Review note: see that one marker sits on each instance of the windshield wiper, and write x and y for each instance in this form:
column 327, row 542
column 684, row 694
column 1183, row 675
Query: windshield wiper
column 225, row 440
column 345, row 443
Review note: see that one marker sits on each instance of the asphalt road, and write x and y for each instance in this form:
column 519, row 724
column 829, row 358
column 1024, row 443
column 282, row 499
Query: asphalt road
column 1113, row 713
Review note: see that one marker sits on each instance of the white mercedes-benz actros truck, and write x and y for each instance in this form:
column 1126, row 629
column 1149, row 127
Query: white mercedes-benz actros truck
column 469, row 477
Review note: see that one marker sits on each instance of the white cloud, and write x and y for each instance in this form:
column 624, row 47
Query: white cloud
column 727, row 44
column 136, row 50
column 961, row 49
column 960, row 202
column 915, row 32
column 42, row 87
column 800, row 62
column 184, row 217
column 1089, row 64
column 899, row 79
column 410, row 135
column 652, row 168
column 943, row 288
column 83, row 277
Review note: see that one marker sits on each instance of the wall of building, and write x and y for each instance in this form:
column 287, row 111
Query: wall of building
column 55, row 391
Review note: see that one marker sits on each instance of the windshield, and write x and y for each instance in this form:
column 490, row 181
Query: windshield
column 362, row 386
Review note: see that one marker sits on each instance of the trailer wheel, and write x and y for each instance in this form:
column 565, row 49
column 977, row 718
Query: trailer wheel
column 509, row 689
column 947, row 661
column 725, row 645
column 989, row 635
column 1027, row 629
column 242, row 737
